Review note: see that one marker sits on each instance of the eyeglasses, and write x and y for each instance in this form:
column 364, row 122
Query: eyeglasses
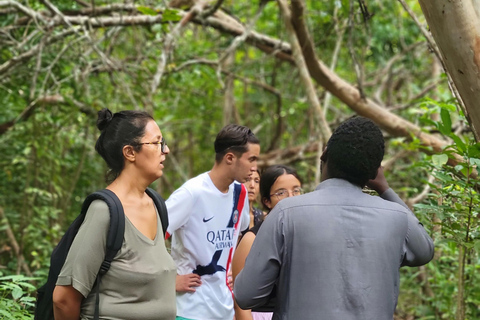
column 162, row 143
column 284, row 193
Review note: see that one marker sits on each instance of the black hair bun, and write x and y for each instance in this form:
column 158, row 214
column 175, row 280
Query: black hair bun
column 105, row 116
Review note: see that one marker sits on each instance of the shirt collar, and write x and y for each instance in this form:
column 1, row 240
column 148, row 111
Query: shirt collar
column 337, row 183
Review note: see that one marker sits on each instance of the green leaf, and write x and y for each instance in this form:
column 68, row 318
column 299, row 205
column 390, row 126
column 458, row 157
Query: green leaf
column 475, row 162
column 17, row 292
column 468, row 245
column 466, row 171
column 439, row 159
column 147, row 10
column 456, row 226
column 171, row 15
column 445, row 126
column 8, row 315
column 474, row 150
column 477, row 245
column 460, row 145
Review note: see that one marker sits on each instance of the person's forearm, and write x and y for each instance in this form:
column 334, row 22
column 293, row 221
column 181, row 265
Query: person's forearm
column 66, row 313
column 241, row 314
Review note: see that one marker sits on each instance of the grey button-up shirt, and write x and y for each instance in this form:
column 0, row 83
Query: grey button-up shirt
column 334, row 253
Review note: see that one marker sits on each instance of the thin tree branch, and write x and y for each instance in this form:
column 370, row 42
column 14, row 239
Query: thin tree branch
column 209, row 11
column 422, row 195
column 82, row 3
column 91, row 22
column 356, row 65
column 170, row 44
column 244, row 35
column 45, row 100
column 325, row 131
column 214, row 64
column 333, row 64
column 7, row 65
column 421, row 94
column 14, row 243
column 33, row 86
column 29, row 12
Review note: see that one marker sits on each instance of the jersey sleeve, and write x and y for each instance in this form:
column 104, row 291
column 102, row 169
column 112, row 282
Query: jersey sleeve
column 179, row 207
column 87, row 251
column 245, row 217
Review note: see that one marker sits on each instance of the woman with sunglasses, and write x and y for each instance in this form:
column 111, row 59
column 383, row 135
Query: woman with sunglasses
column 276, row 183
column 140, row 284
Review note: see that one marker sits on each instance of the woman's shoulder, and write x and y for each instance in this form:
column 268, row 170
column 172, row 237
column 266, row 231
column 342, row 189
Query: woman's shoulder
column 98, row 211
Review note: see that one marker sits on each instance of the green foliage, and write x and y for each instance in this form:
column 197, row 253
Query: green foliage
column 451, row 212
column 16, row 300
column 49, row 165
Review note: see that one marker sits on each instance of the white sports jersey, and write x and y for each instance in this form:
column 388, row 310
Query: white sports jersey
column 205, row 230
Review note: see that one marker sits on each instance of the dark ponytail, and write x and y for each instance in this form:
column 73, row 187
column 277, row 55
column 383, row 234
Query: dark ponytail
column 105, row 116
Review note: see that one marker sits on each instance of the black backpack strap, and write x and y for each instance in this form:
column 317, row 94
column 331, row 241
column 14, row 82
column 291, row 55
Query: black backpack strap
column 161, row 207
column 115, row 234
column 117, row 224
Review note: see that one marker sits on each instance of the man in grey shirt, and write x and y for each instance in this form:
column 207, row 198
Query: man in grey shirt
column 335, row 253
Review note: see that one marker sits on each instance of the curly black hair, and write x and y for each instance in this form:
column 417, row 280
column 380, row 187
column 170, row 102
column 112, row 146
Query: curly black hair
column 355, row 151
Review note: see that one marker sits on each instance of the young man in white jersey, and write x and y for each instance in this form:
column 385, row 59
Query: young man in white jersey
column 206, row 215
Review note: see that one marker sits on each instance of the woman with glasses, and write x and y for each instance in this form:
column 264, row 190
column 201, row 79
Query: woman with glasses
column 276, row 183
column 140, row 283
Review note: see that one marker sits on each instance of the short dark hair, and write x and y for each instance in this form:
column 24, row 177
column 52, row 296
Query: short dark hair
column 355, row 151
column 234, row 138
column 118, row 130
column 270, row 175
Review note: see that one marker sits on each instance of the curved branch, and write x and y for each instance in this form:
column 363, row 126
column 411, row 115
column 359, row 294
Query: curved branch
column 212, row 9
column 325, row 132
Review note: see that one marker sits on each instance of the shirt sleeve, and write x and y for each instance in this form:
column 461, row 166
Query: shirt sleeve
column 418, row 247
column 245, row 222
column 255, row 282
column 179, row 207
column 87, row 251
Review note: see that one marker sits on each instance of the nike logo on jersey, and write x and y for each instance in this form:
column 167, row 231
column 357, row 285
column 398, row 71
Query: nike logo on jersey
column 206, row 220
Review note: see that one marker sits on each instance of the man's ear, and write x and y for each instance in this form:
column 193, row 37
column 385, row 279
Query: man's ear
column 323, row 157
column 129, row 153
column 229, row 158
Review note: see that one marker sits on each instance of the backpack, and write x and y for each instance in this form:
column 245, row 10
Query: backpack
column 44, row 303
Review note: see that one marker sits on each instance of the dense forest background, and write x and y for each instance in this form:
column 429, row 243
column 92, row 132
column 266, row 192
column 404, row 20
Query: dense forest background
column 291, row 71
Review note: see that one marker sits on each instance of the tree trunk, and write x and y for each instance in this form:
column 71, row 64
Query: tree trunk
column 455, row 26
column 230, row 115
